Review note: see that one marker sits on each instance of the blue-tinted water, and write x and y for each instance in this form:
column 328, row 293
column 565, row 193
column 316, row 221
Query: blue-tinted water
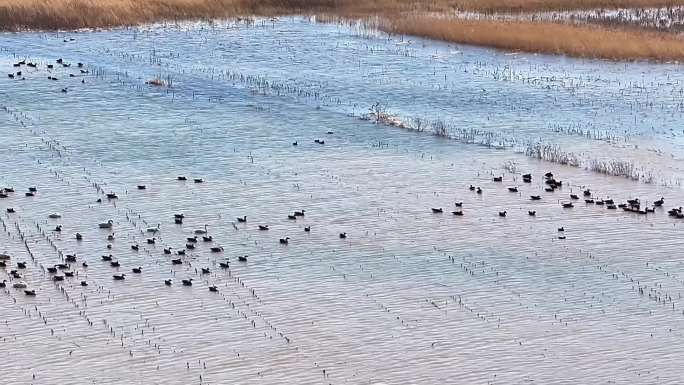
column 409, row 296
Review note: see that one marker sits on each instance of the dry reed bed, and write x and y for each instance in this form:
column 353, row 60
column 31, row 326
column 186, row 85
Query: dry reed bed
column 74, row 14
column 573, row 40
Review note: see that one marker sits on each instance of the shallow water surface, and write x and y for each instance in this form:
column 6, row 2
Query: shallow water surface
column 409, row 296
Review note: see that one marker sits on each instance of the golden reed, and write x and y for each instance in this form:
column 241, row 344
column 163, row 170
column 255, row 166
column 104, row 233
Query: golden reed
column 582, row 41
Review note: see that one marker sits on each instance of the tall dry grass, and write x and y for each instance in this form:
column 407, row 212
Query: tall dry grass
column 70, row 14
column 572, row 40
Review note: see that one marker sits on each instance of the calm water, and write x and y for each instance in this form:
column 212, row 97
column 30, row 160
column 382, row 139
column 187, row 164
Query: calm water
column 409, row 297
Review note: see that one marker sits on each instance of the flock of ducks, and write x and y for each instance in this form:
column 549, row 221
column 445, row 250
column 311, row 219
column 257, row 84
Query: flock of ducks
column 190, row 243
column 59, row 272
column 552, row 184
column 18, row 73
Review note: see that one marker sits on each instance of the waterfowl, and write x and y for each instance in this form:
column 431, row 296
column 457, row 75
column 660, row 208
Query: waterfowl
column 106, row 225
column 198, row 180
column 114, row 264
column 153, row 229
column 190, row 246
column 291, row 217
column 284, row 241
column 19, row 285
column 622, row 205
column 458, row 204
column 242, row 219
column 192, row 239
column 458, row 213
column 11, row 76
column 58, row 228
column 611, row 207
column 561, row 229
column 3, row 264
column 137, row 270
column 295, row 143
column 84, row 264
column 180, row 252
column 224, row 265
column 177, row 261
column 79, row 237
column 84, row 283
column 437, row 210
column 3, row 195
column 471, row 188
column 167, row 250
column 29, row 194
column 242, row 258
column 599, row 203
column 609, row 201
column 3, row 284
column 182, row 178
column 206, row 270
column 179, row 216
column 207, row 238
column 112, row 196
column 659, row 202
column 187, row 282
column 135, row 247
column 58, row 278
column 513, row 189
column 216, row 249
column 561, row 237
column 479, row 190
column 343, row 235
column 633, row 202
column 21, row 265
column 69, row 274
column 299, row 213
column 588, row 201
column 60, row 61
column 498, row 178
column 213, row 289
column 70, row 258
column 202, row 231
column 50, row 66
column 52, row 270
column 574, row 196
column 502, row 213
column 119, row 277
column 307, row 229
column 142, row 187
column 548, row 175
column 263, row 227
column 319, row 141
column 151, row 241
column 15, row 274
column 568, row 205
column 8, row 189
column 587, row 193
column 535, row 197
column 178, row 221
column 532, row 213
column 107, row 257
column 30, row 292
column 167, row 282
column 110, row 237
column 55, row 216
column 99, row 200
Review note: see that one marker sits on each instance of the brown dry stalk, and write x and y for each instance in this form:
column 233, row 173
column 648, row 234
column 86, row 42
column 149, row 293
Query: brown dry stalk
column 572, row 40
column 70, row 14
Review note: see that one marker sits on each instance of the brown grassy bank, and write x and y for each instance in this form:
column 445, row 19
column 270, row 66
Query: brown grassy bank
column 71, row 14
column 572, row 40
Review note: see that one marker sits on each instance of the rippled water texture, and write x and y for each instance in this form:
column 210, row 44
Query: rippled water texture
column 409, row 296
